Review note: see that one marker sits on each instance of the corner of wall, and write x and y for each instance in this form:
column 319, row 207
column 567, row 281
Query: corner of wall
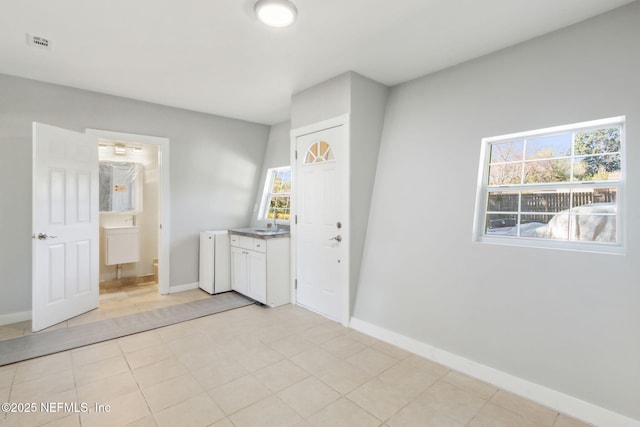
column 368, row 107
column 20, row 316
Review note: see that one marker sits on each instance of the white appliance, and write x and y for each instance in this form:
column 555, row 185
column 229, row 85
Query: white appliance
column 215, row 264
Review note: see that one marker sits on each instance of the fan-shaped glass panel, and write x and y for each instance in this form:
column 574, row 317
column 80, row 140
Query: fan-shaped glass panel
column 319, row 152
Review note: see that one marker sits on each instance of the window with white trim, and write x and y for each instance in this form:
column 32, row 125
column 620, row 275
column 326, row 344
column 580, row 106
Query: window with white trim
column 559, row 187
column 276, row 197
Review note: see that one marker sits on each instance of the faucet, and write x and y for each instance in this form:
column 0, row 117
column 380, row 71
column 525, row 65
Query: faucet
column 274, row 227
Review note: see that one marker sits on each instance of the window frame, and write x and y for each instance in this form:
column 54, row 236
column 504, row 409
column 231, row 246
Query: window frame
column 484, row 188
column 267, row 194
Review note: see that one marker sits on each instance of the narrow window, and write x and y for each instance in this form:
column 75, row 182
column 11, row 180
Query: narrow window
column 276, row 197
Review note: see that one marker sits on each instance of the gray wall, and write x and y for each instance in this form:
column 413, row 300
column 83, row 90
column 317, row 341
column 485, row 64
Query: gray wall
column 215, row 165
column 368, row 102
column 277, row 154
column 321, row 102
column 565, row 320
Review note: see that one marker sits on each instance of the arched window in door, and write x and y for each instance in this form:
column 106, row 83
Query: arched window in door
column 319, row 152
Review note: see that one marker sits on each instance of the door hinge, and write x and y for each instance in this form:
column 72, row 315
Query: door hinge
column 160, row 226
column 296, row 283
column 296, row 217
column 296, row 154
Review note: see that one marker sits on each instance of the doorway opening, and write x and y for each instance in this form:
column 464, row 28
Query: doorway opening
column 128, row 217
column 134, row 195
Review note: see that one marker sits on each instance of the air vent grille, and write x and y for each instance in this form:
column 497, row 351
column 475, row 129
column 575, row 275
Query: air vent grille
column 39, row 42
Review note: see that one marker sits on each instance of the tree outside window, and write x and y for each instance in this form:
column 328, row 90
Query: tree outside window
column 276, row 199
column 560, row 184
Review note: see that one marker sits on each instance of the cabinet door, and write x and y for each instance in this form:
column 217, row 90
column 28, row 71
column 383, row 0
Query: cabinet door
column 239, row 279
column 257, row 272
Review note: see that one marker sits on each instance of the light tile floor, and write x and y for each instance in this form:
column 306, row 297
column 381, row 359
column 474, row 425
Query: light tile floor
column 256, row 367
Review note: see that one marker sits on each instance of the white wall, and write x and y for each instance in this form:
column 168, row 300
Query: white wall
column 214, row 169
column 566, row 320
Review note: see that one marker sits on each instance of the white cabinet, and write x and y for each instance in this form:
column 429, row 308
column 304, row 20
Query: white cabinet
column 257, row 276
column 239, row 273
column 260, row 268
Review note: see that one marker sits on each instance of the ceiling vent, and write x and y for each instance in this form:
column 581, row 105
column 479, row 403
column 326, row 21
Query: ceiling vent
column 39, row 42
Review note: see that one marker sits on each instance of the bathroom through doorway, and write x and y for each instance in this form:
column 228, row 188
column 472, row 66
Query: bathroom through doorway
column 134, row 197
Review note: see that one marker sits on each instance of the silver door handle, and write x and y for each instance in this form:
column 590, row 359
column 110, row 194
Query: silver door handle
column 44, row 236
column 337, row 238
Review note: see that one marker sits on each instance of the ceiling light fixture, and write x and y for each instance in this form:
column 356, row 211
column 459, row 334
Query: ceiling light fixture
column 120, row 149
column 276, row 13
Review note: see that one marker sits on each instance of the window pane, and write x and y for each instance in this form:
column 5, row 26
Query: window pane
column 281, row 206
column 319, row 152
column 597, row 168
column 600, row 200
column 594, row 216
column 282, row 181
column 545, row 226
column 548, row 147
column 503, row 174
column 556, row 170
column 503, row 202
column 593, row 228
column 545, row 201
column 506, row 152
column 501, row 224
column 606, row 140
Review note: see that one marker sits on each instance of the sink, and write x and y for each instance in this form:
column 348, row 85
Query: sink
column 261, row 231
column 267, row 230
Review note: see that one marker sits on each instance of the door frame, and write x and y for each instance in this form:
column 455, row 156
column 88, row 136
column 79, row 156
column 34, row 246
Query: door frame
column 164, row 219
column 342, row 120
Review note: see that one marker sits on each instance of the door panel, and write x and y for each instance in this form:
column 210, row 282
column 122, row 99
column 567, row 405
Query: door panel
column 83, row 261
column 65, row 225
column 257, row 271
column 239, row 279
column 322, row 186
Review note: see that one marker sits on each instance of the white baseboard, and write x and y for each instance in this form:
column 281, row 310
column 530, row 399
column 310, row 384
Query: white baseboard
column 561, row 402
column 21, row 316
column 186, row 287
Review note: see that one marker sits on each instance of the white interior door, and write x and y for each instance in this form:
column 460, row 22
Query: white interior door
column 65, row 225
column 322, row 229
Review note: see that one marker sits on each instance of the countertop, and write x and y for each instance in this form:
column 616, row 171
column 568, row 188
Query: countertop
column 260, row 233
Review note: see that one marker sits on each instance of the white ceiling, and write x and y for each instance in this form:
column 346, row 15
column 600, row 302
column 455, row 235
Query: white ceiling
column 213, row 56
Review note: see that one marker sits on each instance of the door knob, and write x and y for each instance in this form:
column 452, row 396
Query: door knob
column 44, row 236
column 337, row 238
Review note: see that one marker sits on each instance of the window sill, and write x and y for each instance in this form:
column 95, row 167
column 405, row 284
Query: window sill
column 587, row 247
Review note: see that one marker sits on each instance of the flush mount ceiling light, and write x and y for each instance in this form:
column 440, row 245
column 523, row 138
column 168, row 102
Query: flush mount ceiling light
column 276, row 13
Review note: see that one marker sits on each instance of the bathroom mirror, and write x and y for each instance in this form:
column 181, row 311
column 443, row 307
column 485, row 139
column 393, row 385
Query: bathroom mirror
column 120, row 186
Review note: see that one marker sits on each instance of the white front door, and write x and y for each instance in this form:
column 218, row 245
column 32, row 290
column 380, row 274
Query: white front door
column 65, row 225
column 322, row 246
